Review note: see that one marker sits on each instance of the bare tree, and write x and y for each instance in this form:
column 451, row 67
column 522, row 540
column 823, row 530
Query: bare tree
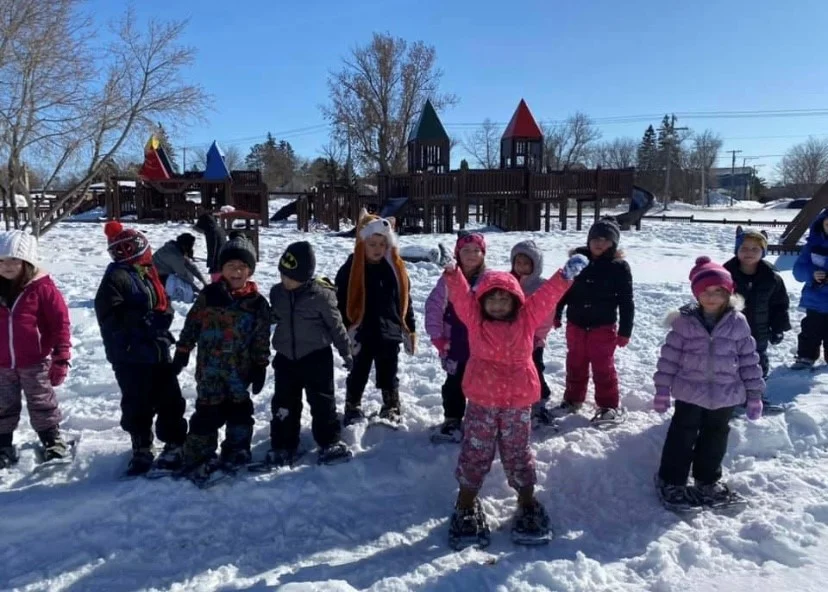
column 805, row 164
column 64, row 106
column 377, row 95
column 569, row 143
column 232, row 158
column 484, row 145
column 619, row 153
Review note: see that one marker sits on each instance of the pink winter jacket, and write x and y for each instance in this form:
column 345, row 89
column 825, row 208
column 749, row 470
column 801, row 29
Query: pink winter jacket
column 711, row 369
column 500, row 372
column 37, row 326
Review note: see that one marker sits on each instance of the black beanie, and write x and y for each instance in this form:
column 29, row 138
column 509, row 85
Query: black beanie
column 185, row 242
column 298, row 262
column 238, row 248
column 605, row 228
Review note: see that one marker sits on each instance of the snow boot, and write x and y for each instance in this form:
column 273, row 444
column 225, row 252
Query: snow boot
column 353, row 414
column 803, row 364
column 715, row 495
column 541, row 414
column 390, row 410
column 531, row 525
column 469, row 527
column 675, row 497
column 8, row 456
column 282, row 457
column 608, row 416
column 335, row 453
column 450, row 431
column 140, row 463
column 171, row 458
column 54, row 446
column 564, row 409
column 235, row 458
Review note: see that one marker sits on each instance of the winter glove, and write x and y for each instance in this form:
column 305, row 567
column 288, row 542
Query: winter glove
column 410, row 343
column 442, row 346
column 574, row 266
column 348, row 363
column 556, row 324
column 777, row 338
column 754, row 409
column 355, row 345
column 622, row 341
column 450, row 366
column 257, row 378
column 661, row 403
column 58, row 371
column 180, row 361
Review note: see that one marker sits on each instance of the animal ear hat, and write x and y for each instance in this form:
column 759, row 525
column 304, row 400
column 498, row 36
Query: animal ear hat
column 367, row 226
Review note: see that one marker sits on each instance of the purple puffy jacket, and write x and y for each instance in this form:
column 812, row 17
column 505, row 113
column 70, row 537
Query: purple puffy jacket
column 709, row 369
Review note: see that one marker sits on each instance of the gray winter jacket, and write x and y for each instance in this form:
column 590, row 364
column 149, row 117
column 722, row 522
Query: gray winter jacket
column 169, row 260
column 307, row 319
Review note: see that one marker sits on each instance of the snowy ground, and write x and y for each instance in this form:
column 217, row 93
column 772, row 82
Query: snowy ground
column 380, row 522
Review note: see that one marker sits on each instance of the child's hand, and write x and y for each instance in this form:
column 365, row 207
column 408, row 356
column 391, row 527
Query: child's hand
column 450, row 266
column 348, row 363
column 58, row 371
column 442, row 345
column 622, row 341
column 819, row 276
column 410, row 343
column 258, row 374
column 661, row 403
column 776, row 338
column 754, row 409
column 355, row 345
column 575, row 265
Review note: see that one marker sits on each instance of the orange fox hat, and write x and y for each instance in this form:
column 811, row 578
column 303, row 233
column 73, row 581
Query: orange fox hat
column 367, row 226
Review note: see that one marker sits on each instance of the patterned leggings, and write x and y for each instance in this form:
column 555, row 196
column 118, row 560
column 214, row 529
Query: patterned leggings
column 485, row 429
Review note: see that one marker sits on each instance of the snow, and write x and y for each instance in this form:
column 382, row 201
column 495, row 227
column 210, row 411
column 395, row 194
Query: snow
column 379, row 523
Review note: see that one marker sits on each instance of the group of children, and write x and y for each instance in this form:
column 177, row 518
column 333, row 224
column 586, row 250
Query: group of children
column 488, row 327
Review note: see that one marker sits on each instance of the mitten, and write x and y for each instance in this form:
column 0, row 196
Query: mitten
column 180, row 361
column 410, row 343
column 257, row 378
column 442, row 345
column 58, row 371
column 622, row 341
column 450, row 366
column 348, row 363
column 777, row 338
column 575, row 265
column 355, row 345
column 754, row 409
column 661, row 403
column 450, row 266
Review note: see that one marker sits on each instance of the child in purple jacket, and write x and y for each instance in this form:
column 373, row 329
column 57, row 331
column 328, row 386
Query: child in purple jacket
column 449, row 335
column 709, row 365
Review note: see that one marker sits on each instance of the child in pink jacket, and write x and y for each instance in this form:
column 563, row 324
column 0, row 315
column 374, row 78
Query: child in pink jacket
column 501, row 384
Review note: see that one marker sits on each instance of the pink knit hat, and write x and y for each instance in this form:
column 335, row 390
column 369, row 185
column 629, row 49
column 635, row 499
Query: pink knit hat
column 706, row 274
column 471, row 238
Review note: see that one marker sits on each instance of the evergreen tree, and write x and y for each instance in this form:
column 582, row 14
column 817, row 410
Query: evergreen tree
column 276, row 160
column 647, row 151
column 164, row 140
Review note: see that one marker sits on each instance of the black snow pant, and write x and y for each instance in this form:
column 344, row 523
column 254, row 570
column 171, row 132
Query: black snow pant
column 814, row 333
column 537, row 358
column 147, row 391
column 211, row 413
column 454, row 401
column 384, row 355
column 313, row 373
column 697, row 437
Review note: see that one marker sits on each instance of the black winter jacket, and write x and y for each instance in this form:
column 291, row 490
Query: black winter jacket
column 766, row 300
column 215, row 238
column 601, row 294
column 381, row 321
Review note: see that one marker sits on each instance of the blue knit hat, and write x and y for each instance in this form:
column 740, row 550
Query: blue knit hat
column 759, row 236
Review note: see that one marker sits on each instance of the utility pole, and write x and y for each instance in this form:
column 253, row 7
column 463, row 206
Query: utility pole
column 733, row 174
column 668, row 141
column 184, row 165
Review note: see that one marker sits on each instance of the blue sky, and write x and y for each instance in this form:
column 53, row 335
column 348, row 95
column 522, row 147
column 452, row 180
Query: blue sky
column 266, row 64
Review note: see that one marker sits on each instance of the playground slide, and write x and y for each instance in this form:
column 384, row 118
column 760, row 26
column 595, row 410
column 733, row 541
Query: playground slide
column 641, row 201
column 285, row 212
column 392, row 206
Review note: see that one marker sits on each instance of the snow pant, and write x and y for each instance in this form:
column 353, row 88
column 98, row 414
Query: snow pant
column 697, row 437
column 212, row 411
column 384, row 355
column 762, row 350
column 814, row 333
column 313, row 373
column 33, row 382
column 147, row 391
column 537, row 358
column 484, row 430
column 596, row 348
column 454, row 401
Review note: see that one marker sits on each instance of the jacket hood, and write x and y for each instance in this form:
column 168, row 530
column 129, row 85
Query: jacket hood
column 500, row 280
column 737, row 304
column 531, row 250
column 816, row 235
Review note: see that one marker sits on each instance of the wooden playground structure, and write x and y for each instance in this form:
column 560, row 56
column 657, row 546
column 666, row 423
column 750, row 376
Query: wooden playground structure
column 796, row 229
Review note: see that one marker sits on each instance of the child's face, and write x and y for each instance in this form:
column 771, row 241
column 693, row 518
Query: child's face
column 825, row 226
column 289, row 283
column 713, row 299
column 750, row 252
column 375, row 247
column 599, row 245
column 523, row 265
column 11, row 268
column 236, row 273
column 471, row 257
column 498, row 304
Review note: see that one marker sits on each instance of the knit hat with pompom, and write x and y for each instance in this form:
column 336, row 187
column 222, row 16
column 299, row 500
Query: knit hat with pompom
column 706, row 274
column 126, row 245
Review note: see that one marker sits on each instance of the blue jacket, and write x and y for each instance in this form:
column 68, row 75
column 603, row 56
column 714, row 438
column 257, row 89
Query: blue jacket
column 813, row 257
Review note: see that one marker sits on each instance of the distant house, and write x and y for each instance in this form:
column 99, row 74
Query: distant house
column 734, row 181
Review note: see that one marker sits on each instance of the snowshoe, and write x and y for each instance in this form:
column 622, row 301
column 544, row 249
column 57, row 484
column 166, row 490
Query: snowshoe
column 803, row 364
column 469, row 528
column 139, row 464
column 210, row 473
column 531, row 526
column 716, row 496
column 564, row 409
column 55, row 452
column 392, row 422
column 168, row 463
column 448, row 432
column 608, row 417
column 276, row 459
column 235, row 459
column 542, row 416
column 675, row 498
column 8, row 456
column 352, row 415
column 335, row 454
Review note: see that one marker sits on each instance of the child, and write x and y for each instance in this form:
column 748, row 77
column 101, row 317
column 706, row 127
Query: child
column 215, row 238
column 134, row 316
column 527, row 266
column 810, row 268
column 230, row 325
column 764, row 292
column 450, row 336
column 375, row 304
column 35, row 356
column 307, row 322
column 178, row 273
column 709, row 365
column 600, row 296
column 501, row 383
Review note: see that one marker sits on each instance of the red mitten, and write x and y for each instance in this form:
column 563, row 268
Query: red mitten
column 556, row 324
column 622, row 341
column 58, row 371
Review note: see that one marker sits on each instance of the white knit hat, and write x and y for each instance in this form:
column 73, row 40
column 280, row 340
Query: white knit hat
column 381, row 226
column 20, row 245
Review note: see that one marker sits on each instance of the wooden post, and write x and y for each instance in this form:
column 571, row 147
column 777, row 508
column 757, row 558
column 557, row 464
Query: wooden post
column 579, row 213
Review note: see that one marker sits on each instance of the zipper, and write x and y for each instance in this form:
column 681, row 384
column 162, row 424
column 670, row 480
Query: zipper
column 11, row 327
column 292, row 325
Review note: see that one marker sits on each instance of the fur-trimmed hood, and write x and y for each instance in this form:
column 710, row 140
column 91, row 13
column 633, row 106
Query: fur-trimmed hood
column 736, row 303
